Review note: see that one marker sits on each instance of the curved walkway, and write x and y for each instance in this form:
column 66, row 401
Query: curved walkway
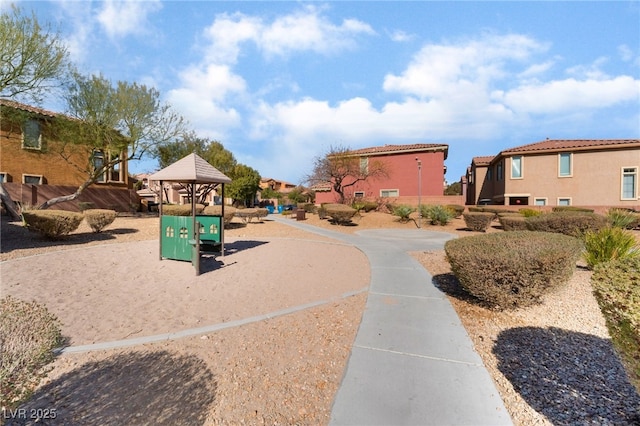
column 412, row 361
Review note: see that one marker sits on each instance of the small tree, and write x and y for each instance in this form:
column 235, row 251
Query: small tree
column 343, row 169
column 298, row 195
column 244, row 185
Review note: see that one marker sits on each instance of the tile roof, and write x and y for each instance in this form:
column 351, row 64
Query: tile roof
column 394, row 149
column 482, row 161
column 553, row 145
column 24, row 107
column 191, row 168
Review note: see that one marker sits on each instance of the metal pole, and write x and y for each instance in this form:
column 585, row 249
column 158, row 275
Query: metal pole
column 419, row 192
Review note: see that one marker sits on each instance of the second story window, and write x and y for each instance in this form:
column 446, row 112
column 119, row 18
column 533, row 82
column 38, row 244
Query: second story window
column 516, row 167
column 499, row 171
column 489, row 175
column 98, row 163
column 31, row 137
column 564, row 164
column 114, row 173
column 364, row 164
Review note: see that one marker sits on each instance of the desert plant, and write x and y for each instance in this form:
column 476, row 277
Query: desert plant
column 322, row 212
column 98, row 219
column 568, row 223
column 513, row 223
column 341, row 214
column 180, row 209
column 615, row 287
column 216, row 210
column 622, row 218
column 403, row 212
column 28, row 334
column 307, row 207
column 478, row 221
column 52, row 223
column 512, row 269
column 528, row 212
column 437, row 214
column 609, row 243
column 456, row 209
column 574, row 209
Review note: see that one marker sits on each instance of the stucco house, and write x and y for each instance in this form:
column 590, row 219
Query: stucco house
column 578, row 172
column 32, row 169
column 414, row 170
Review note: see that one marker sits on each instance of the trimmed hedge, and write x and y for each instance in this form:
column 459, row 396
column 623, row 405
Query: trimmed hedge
column 529, row 212
column 180, row 209
column 28, row 334
column 513, row 269
column 617, row 290
column 513, row 223
column 478, row 221
column 570, row 209
column 229, row 212
column 248, row 214
column 98, row 219
column 568, row 223
column 456, row 209
column 52, row 223
column 340, row 213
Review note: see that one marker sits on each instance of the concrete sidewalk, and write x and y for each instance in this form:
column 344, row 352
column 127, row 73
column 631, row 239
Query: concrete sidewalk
column 412, row 362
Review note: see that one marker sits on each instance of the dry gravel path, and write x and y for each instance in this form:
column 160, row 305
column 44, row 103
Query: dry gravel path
column 553, row 363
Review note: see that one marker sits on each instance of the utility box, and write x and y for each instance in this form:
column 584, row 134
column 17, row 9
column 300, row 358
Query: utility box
column 301, row 214
column 177, row 235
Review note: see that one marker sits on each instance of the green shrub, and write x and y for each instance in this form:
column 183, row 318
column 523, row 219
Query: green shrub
column 609, row 243
column 307, row 207
column 403, row 212
column 322, row 212
column 437, row 215
column 513, row 223
column 28, row 334
column 568, row 223
column 527, row 212
column 512, row 269
column 98, row 219
column 370, row 206
column 570, row 209
column 478, row 221
column 340, row 213
column 456, row 209
column 616, row 288
column 52, row 223
column 86, row 205
column 622, row 218
column 180, row 209
column 475, row 209
column 216, row 210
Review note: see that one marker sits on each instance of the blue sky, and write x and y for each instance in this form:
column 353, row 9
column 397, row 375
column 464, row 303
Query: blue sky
column 278, row 83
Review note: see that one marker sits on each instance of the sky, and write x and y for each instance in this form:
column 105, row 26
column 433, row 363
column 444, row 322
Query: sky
column 280, row 83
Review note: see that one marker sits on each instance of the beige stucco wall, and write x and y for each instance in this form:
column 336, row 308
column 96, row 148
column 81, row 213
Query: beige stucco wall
column 596, row 178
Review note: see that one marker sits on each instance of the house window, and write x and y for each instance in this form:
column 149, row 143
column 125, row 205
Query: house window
column 564, row 201
column 629, row 183
column 489, row 175
column 364, row 164
column 31, row 137
column 389, row 193
column 540, row 201
column 3, row 177
column 499, row 171
column 358, row 194
column 564, row 164
column 114, row 174
column 32, row 179
column 516, row 167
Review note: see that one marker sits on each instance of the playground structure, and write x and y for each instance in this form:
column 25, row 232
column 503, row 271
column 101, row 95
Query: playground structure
column 187, row 237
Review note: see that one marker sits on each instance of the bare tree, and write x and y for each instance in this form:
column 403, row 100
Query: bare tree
column 341, row 168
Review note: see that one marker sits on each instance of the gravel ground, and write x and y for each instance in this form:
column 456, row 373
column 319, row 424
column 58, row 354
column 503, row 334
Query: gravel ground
column 552, row 363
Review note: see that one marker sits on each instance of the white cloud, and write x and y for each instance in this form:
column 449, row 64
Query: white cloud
column 571, row 95
column 626, row 54
column 120, row 18
column 400, row 36
column 302, row 31
column 592, row 71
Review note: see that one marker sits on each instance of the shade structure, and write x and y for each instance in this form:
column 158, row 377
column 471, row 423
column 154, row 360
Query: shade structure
column 192, row 170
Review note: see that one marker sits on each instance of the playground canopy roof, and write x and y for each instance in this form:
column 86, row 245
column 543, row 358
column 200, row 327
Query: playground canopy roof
column 191, row 169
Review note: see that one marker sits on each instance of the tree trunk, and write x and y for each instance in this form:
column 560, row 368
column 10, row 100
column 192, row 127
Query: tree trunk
column 64, row 198
column 8, row 203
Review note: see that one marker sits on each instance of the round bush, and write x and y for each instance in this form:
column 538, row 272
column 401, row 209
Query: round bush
column 229, row 212
column 99, row 218
column 180, row 209
column 52, row 223
column 340, row 213
column 478, row 221
column 568, row 223
column 513, row 269
column 513, row 223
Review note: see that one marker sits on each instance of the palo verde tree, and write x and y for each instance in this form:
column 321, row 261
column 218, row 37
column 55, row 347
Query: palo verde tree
column 211, row 151
column 33, row 61
column 110, row 124
column 343, row 169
